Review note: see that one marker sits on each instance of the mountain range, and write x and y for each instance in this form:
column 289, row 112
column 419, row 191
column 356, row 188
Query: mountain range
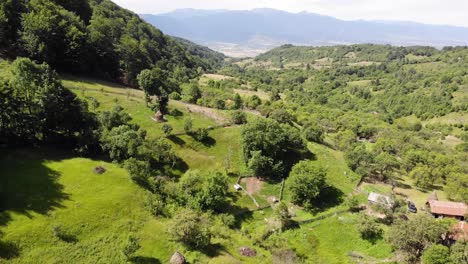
column 248, row 33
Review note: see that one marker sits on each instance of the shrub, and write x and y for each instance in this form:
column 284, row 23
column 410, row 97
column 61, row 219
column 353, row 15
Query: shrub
column 201, row 134
column 175, row 96
column 239, row 117
column 191, row 229
column 167, row 129
column 130, row 246
column 436, row 254
column 369, row 229
column 188, row 123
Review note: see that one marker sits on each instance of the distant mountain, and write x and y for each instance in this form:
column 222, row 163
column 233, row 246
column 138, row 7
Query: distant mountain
column 258, row 30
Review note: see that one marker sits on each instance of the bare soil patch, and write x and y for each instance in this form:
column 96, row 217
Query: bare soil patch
column 253, row 184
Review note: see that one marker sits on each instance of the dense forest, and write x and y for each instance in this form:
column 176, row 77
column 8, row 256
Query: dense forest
column 98, row 38
column 121, row 144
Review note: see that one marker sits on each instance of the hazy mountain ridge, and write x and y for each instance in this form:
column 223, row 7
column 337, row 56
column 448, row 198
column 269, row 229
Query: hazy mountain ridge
column 219, row 29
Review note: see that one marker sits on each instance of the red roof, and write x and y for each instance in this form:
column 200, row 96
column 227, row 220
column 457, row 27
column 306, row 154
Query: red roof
column 460, row 231
column 448, row 208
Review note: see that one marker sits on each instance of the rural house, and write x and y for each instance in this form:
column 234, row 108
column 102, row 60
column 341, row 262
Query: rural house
column 447, row 209
column 375, row 198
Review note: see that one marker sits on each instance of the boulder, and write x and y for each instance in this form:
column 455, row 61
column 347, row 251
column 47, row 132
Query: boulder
column 178, row 258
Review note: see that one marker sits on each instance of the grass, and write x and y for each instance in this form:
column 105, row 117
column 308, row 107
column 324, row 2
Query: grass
column 47, row 189
column 360, row 83
column 248, row 93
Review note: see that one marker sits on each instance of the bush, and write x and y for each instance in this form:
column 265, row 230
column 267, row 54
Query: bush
column 191, row 229
column 313, row 133
column 130, row 246
column 167, row 129
column 201, row 134
column 188, row 123
column 436, row 254
column 353, row 203
column 175, row 96
column 238, row 117
column 369, row 228
column 155, row 205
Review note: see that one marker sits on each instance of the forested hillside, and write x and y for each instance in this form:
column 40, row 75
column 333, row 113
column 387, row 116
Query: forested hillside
column 94, row 37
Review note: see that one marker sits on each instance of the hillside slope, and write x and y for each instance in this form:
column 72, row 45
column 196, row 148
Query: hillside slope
column 94, row 37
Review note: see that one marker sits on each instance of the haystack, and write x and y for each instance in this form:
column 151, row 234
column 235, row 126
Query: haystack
column 99, row 170
column 248, row 252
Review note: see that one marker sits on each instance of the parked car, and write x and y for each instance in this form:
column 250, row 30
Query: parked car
column 412, row 207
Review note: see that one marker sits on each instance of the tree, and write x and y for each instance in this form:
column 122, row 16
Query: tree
column 52, row 34
column 121, row 143
column 188, row 125
column 155, row 83
column 203, row 192
column 436, row 254
column 192, row 93
column 115, row 118
column 254, row 101
column 214, row 192
column 359, row 159
column 191, row 229
column 167, row 129
column 11, row 116
column 51, row 112
column 457, row 186
column 459, row 252
column 413, row 236
column 422, row 176
column 386, row 164
column 282, row 116
column 201, row 134
column 238, row 117
column 261, row 165
column 369, row 228
column 283, row 216
column 273, row 151
column 237, row 102
column 313, row 132
column 306, row 181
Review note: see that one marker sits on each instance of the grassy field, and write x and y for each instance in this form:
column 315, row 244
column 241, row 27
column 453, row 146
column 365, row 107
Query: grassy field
column 47, row 190
column 98, row 212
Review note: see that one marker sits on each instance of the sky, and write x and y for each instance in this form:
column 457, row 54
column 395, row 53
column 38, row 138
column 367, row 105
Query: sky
column 444, row 12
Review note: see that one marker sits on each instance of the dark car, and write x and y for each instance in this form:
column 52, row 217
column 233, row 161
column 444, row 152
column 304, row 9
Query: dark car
column 412, row 207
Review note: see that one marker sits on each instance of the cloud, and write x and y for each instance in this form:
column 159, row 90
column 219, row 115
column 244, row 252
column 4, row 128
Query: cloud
column 450, row 12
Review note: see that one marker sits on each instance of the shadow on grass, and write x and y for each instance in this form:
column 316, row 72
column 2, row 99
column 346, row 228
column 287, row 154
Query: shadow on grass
column 67, row 238
column 213, row 250
column 240, row 214
column 373, row 238
column 8, row 250
column 27, row 185
column 209, row 142
column 144, row 260
column 329, row 197
column 176, row 140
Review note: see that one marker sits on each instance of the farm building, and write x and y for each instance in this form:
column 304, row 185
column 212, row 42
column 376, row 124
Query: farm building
column 375, row 198
column 447, row 209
